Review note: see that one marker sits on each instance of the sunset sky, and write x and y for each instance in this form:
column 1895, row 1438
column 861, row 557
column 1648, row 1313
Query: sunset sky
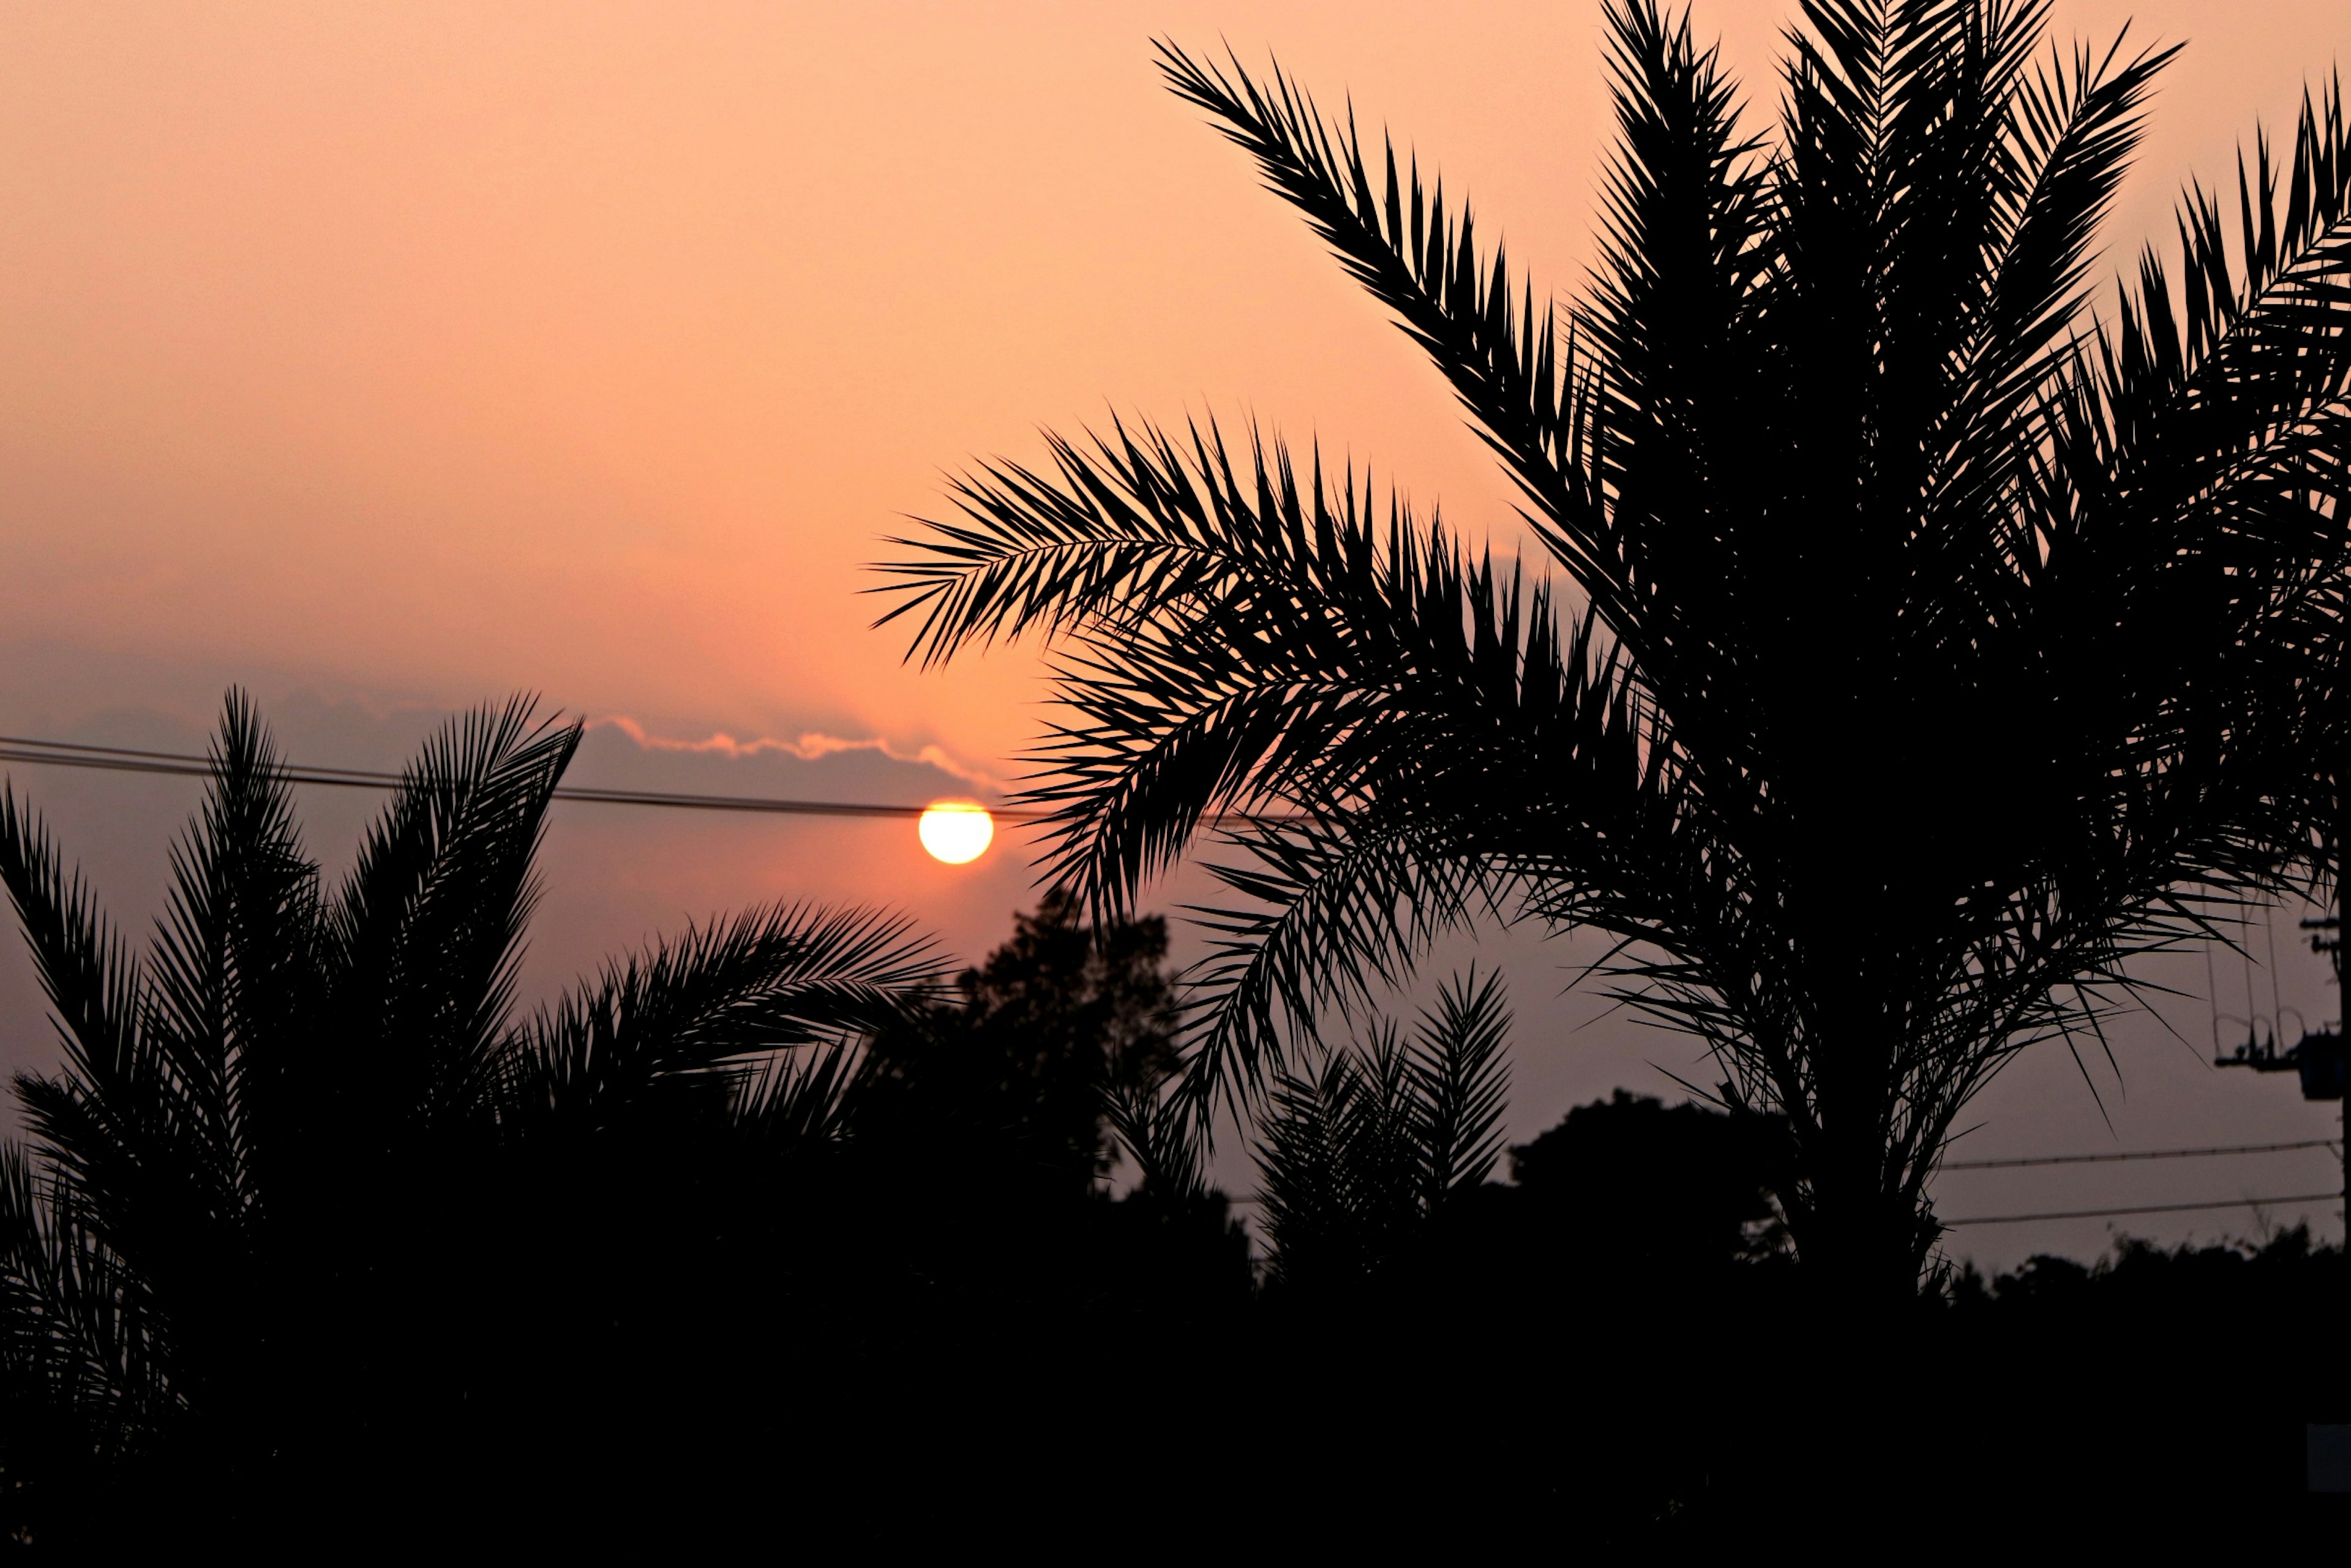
column 386, row 359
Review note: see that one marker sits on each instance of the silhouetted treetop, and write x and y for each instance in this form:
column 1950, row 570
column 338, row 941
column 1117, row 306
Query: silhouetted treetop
column 1629, row 1181
column 1060, row 1016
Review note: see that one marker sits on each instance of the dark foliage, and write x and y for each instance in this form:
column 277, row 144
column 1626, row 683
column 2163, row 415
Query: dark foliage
column 2153, row 1370
column 2154, row 1400
column 678, row 1264
column 1017, row 1062
column 1629, row 1184
column 2151, row 1405
column 972, row 1204
column 1609, row 1341
column 315, row 1234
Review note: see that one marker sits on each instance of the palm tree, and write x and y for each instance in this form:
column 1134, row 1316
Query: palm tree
column 284, row 1144
column 1929, row 647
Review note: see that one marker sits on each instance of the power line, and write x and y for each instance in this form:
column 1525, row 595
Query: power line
column 123, row 759
column 2146, row 1209
column 2106, row 1159
column 2137, row 1155
column 182, row 765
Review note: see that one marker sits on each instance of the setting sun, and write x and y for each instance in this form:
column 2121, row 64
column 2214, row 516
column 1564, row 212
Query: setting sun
column 957, row 832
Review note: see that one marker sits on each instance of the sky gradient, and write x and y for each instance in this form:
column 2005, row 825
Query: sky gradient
column 386, row 359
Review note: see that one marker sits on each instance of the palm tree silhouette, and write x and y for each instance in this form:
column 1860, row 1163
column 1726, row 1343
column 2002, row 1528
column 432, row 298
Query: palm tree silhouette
column 1933, row 649
column 1360, row 1157
column 291, row 1151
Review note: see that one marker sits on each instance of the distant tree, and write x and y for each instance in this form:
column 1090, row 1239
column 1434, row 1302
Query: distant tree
column 298, row 1204
column 1929, row 649
column 1630, row 1184
column 1019, row 1061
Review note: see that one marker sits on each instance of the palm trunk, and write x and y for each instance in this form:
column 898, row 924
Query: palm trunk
column 1857, row 1235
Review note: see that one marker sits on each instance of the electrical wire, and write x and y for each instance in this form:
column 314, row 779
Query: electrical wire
column 2083, row 1213
column 2137, row 1155
column 123, row 759
column 174, row 764
column 2146, row 1209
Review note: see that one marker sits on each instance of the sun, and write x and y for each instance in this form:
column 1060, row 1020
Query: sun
column 957, row 832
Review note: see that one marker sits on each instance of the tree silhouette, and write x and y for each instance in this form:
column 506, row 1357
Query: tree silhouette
column 1928, row 650
column 304, row 1172
column 982, row 1141
column 1017, row 1060
column 1672, row 1192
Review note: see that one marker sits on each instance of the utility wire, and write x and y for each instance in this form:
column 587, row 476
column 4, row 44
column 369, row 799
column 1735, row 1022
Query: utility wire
column 122, row 759
column 2146, row 1209
column 2081, row 1213
column 176, row 763
column 2105, row 1159
column 356, row 779
column 2137, row 1155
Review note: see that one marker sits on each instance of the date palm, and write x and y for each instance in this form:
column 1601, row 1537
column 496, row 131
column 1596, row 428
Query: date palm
column 300, row 1155
column 1929, row 647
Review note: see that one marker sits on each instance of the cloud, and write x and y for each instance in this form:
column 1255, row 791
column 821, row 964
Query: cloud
column 811, row 747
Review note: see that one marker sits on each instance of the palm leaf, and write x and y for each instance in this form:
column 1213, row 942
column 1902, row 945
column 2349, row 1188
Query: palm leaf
column 426, row 934
column 1460, row 1082
column 764, row 982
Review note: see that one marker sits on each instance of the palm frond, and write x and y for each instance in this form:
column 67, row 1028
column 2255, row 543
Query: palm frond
column 2221, row 393
column 799, row 1100
column 116, row 1122
column 1125, row 520
column 1462, row 1084
column 81, row 1347
column 1525, row 383
column 92, row 982
column 1310, row 662
column 1335, row 1194
column 1159, row 1134
column 233, row 959
column 2062, row 148
column 1336, row 916
column 762, row 982
column 1686, row 254
column 427, row 931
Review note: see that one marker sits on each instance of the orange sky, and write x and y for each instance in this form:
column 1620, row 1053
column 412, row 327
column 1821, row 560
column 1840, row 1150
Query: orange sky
column 410, row 354
column 428, row 350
